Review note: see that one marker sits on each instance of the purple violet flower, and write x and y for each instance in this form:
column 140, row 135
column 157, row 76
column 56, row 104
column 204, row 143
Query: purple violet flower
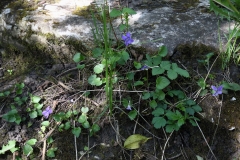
column 145, row 67
column 129, row 108
column 47, row 112
column 217, row 90
column 127, row 39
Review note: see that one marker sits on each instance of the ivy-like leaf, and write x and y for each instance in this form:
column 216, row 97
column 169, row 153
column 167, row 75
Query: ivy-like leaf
column 35, row 99
column 94, row 80
column 98, row 68
column 97, row 52
column 115, row 13
column 78, row 57
column 50, row 152
column 157, row 71
column 159, row 122
column 172, row 74
column 162, row 51
column 27, row 149
column 31, row 142
column 158, row 111
column 76, row 131
column 153, row 104
column 138, row 83
column 129, row 11
column 146, row 95
column 162, row 82
column 132, row 114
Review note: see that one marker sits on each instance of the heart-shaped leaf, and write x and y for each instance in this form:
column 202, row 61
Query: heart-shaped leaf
column 134, row 141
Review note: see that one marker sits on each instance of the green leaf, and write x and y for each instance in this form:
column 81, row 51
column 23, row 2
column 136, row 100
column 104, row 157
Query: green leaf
column 159, row 94
column 59, row 116
column 231, row 86
column 138, row 83
column 180, row 122
column 190, row 111
column 98, row 68
column 157, row 60
column 76, row 131
column 95, row 127
column 199, row 158
column 97, row 52
column 79, row 66
column 94, row 80
column 35, row 99
column 78, row 57
column 153, row 104
column 38, row 106
column 67, row 125
column 162, row 82
column 27, row 149
column 128, row 11
column 82, row 118
column 197, row 108
column 180, row 71
column 50, row 140
column 10, row 146
column 137, row 65
column 159, row 122
column 84, row 109
column 115, row 13
column 33, row 114
column 125, row 56
column 162, row 51
column 165, row 65
column 86, row 148
column 201, row 83
column 31, row 142
column 157, row 71
column 132, row 114
column 171, row 115
column 146, row 95
column 134, row 141
column 172, row 74
column 158, row 111
column 45, row 123
column 122, row 27
column 50, row 152
column 190, row 102
column 130, row 75
column 171, row 127
column 86, row 124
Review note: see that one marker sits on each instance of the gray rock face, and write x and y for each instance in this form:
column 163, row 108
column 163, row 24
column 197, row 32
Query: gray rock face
column 156, row 23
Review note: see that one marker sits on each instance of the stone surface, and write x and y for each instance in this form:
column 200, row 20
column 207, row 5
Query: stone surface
column 156, row 23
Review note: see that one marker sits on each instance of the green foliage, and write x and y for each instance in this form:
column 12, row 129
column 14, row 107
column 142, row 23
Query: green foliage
column 226, row 8
column 174, row 119
column 27, row 148
column 50, row 152
column 132, row 114
column 229, row 9
column 12, row 116
column 9, row 147
column 36, row 110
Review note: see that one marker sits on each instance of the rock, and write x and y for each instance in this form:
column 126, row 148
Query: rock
column 156, row 24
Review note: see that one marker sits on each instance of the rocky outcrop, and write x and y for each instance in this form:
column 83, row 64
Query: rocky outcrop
column 50, row 26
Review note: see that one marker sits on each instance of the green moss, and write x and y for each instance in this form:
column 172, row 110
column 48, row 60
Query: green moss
column 85, row 11
column 21, row 8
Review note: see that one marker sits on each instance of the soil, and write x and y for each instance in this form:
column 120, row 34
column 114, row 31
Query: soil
column 216, row 137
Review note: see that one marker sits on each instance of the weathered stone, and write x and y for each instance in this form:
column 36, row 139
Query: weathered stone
column 156, row 23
